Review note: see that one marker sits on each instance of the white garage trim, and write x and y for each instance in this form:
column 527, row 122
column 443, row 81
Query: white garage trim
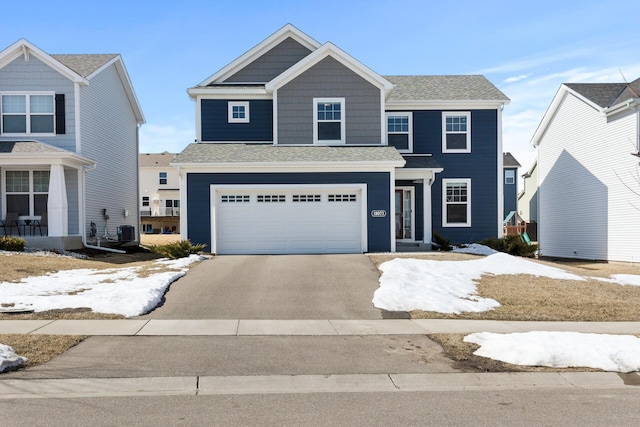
column 216, row 189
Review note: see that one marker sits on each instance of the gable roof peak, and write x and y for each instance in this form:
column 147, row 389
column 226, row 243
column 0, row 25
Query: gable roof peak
column 287, row 31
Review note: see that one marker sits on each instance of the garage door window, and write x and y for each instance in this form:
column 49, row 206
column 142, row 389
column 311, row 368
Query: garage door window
column 235, row 199
column 342, row 197
column 304, row 198
column 270, row 198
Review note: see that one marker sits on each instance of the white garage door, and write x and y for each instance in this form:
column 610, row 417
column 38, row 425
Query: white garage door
column 286, row 221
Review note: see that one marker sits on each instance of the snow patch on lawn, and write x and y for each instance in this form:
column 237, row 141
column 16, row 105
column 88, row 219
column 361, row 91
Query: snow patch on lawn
column 9, row 359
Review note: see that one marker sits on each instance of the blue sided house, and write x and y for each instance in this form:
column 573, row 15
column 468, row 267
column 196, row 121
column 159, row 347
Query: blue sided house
column 301, row 148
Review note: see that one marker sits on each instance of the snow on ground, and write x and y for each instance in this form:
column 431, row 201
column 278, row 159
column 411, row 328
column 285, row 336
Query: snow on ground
column 614, row 353
column 116, row 290
column 450, row 286
column 622, row 279
column 9, row 359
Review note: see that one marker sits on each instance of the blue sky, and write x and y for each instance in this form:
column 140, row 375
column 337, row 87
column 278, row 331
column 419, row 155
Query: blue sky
column 526, row 48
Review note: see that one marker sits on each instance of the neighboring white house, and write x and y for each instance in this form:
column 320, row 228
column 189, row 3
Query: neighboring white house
column 588, row 202
column 159, row 194
column 68, row 147
column 528, row 197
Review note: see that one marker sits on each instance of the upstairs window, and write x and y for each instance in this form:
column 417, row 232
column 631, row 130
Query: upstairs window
column 456, row 132
column 162, row 178
column 509, row 176
column 24, row 114
column 145, row 201
column 456, row 203
column 399, row 133
column 238, row 112
column 328, row 121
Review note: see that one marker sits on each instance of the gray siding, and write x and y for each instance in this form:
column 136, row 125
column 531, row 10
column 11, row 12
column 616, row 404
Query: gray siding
column 109, row 136
column 34, row 75
column 71, row 179
column 328, row 79
column 272, row 63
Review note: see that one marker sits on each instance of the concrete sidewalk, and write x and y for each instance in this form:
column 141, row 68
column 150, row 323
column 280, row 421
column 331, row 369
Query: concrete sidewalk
column 276, row 384
column 229, row 327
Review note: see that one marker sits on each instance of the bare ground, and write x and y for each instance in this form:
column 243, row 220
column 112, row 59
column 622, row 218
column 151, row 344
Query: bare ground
column 522, row 297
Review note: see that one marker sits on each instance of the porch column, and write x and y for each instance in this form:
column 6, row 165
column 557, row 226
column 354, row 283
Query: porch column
column 426, row 196
column 57, row 208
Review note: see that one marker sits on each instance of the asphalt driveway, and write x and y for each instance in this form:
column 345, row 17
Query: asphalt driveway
column 274, row 287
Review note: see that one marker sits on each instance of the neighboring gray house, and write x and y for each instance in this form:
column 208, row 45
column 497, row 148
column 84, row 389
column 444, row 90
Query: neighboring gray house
column 301, row 148
column 68, row 147
column 510, row 166
column 588, row 144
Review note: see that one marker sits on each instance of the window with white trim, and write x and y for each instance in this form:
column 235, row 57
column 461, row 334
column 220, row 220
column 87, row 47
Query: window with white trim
column 509, row 176
column 162, row 178
column 238, row 112
column 26, row 114
column 26, row 191
column 145, row 201
column 399, row 131
column 328, row 121
column 456, row 132
column 456, row 202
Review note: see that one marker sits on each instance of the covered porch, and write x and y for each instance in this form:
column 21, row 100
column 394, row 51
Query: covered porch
column 41, row 194
column 412, row 197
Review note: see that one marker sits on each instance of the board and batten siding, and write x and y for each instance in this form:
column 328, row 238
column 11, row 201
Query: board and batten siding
column 109, row 136
column 216, row 127
column 35, row 76
column 329, row 79
column 272, row 63
column 585, row 209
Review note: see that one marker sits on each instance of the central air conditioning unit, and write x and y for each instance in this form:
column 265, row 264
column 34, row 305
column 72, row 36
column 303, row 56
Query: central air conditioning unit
column 126, row 233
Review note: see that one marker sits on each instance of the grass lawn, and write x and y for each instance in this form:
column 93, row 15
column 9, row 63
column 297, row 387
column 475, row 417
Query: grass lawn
column 522, row 297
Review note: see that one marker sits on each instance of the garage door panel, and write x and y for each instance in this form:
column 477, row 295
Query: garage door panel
column 288, row 221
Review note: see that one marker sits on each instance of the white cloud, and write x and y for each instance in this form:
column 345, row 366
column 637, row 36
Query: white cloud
column 156, row 138
column 517, row 78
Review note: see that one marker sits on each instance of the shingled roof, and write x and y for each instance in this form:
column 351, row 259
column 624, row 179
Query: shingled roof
column 204, row 153
column 607, row 94
column 156, row 159
column 444, row 88
column 84, row 64
column 508, row 161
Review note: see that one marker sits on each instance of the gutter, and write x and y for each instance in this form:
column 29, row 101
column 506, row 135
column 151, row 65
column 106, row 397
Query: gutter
column 84, row 227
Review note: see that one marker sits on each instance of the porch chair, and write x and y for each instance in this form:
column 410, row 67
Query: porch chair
column 11, row 221
column 42, row 222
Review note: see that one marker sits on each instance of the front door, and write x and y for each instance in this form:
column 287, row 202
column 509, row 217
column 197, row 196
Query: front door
column 404, row 214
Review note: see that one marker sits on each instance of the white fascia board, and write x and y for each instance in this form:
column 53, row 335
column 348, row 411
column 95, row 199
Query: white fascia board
column 289, row 167
column 416, row 173
column 24, row 47
column 21, row 159
column 228, row 93
column 399, row 105
column 329, row 49
column 630, row 104
column 261, row 48
column 126, row 84
column 548, row 115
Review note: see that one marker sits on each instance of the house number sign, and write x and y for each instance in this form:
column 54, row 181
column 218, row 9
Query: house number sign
column 379, row 213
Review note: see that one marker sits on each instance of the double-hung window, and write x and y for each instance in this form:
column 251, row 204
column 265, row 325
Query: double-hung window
column 328, row 121
column 25, row 114
column 456, row 132
column 27, row 191
column 456, row 202
column 145, row 201
column 162, row 178
column 399, row 133
column 509, row 176
column 238, row 112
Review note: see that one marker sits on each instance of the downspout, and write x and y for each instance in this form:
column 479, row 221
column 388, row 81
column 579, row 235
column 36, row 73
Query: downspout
column 84, row 222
